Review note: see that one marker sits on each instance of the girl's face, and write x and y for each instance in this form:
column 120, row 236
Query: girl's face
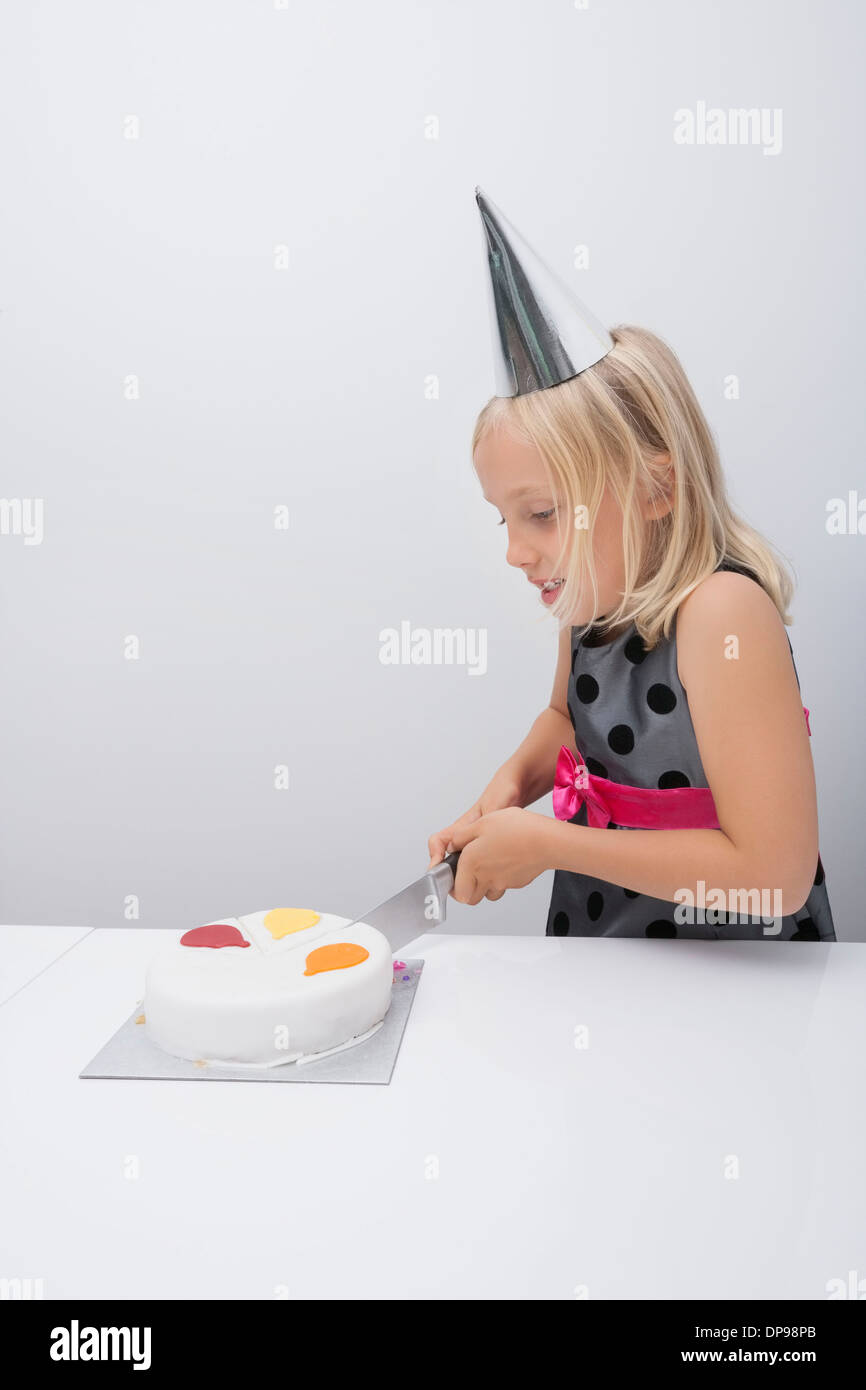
column 513, row 479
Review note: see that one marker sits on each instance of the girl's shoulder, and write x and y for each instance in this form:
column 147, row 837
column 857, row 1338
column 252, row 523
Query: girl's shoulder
column 728, row 612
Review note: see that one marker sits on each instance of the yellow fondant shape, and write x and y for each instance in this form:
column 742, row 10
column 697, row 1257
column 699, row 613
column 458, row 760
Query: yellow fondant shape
column 335, row 956
column 282, row 921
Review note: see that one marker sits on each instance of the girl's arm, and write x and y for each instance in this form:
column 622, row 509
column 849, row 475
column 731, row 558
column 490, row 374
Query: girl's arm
column 734, row 661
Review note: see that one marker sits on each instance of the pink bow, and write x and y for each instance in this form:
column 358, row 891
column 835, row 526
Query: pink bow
column 638, row 808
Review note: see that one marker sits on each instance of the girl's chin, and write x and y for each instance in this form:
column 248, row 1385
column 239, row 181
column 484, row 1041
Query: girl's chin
column 578, row 617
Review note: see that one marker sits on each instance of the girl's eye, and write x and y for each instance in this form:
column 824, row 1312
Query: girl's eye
column 536, row 516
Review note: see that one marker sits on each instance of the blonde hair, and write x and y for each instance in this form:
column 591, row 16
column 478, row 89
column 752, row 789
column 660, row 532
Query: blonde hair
column 601, row 429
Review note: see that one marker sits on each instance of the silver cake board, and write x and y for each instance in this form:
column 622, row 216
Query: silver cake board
column 130, row 1053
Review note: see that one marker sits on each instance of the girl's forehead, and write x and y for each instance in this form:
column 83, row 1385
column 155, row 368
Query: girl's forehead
column 508, row 461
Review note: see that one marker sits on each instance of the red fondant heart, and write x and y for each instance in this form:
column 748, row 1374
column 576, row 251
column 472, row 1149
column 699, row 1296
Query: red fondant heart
column 216, row 934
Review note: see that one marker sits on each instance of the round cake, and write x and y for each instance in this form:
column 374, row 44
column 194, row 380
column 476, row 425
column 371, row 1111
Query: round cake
column 273, row 987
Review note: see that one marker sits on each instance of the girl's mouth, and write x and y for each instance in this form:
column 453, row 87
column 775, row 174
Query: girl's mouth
column 550, row 589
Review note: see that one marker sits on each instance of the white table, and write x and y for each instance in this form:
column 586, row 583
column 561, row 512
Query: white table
column 26, row 951
column 501, row 1162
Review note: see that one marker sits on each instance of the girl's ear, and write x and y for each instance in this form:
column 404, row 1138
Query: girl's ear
column 662, row 499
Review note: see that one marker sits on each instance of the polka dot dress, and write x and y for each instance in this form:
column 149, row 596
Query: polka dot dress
column 632, row 724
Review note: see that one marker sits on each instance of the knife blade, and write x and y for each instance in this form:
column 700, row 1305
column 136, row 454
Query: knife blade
column 415, row 909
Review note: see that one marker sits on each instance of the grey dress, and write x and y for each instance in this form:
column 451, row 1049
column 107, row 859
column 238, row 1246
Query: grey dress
column 632, row 725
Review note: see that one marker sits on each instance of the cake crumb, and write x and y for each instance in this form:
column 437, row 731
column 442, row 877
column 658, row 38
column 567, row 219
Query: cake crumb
column 199, row 1062
column 140, row 1018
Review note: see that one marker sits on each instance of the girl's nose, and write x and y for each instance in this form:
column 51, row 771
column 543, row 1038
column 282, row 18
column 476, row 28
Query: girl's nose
column 519, row 554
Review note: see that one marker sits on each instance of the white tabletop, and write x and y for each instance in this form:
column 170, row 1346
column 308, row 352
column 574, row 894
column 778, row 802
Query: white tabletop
column 26, row 951
column 707, row 1142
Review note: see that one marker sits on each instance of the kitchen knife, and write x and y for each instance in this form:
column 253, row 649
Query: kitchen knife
column 416, row 909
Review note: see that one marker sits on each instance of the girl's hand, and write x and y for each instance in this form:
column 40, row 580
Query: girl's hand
column 499, row 850
column 501, row 792
column 440, row 844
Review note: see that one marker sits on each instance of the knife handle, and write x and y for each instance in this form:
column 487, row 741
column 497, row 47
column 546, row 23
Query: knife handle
column 443, row 875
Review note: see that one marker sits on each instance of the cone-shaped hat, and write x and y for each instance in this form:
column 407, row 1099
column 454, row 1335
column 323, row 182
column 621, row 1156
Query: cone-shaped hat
column 542, row 334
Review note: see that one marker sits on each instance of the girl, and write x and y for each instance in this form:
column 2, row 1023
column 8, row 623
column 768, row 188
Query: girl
column 675, row 712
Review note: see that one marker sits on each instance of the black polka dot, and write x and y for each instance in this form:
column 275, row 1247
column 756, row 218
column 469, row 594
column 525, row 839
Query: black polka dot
column 661, row 699
column 661, row 928
column 634, row 649
column 806, row 931
column 621, row 739
column 596, row 768
column 594, row 906
column 586, row 689
column 560, row 924
column 819, row 873
column 630, row 893
column 673, row 779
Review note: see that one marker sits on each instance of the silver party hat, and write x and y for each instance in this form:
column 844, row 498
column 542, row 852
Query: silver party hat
column 542, row 334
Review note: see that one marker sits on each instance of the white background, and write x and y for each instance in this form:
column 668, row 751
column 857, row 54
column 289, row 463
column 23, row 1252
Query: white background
column 306, row 127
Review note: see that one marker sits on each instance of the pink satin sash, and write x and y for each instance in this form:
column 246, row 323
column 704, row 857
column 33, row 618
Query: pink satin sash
column 636, row 808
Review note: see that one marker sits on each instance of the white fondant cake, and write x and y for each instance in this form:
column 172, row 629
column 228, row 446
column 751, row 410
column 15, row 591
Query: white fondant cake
column 267, row 989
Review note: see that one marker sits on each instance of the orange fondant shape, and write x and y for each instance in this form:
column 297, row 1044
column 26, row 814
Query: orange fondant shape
column 335, row 957
column 282, row 921
column 217, row 934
